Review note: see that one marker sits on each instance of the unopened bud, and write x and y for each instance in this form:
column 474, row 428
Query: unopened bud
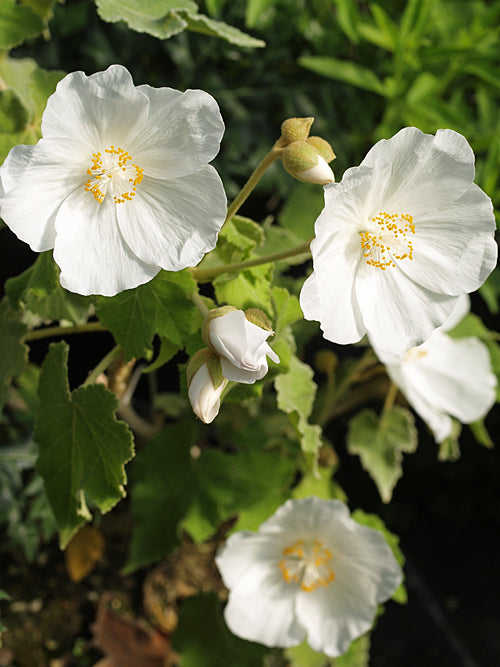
column 205, row 384
column 303, row 161
column 295, row 129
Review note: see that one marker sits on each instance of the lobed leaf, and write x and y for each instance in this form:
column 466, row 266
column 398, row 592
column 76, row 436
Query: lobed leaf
column 380, row 443
column 83, row 448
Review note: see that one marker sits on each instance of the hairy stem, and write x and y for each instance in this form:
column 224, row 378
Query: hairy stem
column 50, row 332
column 199, row 303
column 103, row 365
column 255, row 177
column 204, row 275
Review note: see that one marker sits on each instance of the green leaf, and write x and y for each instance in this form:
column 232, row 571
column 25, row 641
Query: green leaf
column 17, row 24
column 83, row 448
column 304, row 656
column 202, row 638
column 32, row 86
column 41, row 279
column 250, row 288
column 296, row 392
column 296, row 389
column 165, row 18
column 254, row 9
column 357, row 655
column 374, row 521
column 161, row 307
column 347, row 15
column 14, row 353
column 380, row 444
column 344, row 70
column 208, row 26
column 178, row 486
column 159, row 18
column 481, row 434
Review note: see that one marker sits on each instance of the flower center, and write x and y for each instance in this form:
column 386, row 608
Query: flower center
column 307, row 562
column 389, row 240
column 115, row 172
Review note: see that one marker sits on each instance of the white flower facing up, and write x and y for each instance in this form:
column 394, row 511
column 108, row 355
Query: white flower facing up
column 399, row 239
column 119, row 186
column 310, row 572
column 446, row 377
column 240, row 340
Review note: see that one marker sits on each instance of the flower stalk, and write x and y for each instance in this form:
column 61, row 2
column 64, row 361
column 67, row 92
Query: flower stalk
column 51, row 332
column 204, row 275
column 103, row 365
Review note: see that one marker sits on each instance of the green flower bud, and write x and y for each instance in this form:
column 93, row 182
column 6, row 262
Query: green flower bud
column 303, row 161
column 295, row 129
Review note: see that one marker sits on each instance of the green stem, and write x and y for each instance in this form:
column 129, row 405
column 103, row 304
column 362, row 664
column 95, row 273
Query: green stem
column 199, row 303
column 331, row 401
column 204, row 275
column 103, row 365
column 255, row 177
column 50, row 332
column 390, row 398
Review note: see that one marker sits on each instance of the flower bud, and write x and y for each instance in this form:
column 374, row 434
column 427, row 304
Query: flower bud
column 295, row 129
column 302, row 160
column 240, row 340
column 205, row 384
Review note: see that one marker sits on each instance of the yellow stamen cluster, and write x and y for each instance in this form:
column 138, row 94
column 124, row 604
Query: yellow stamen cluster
column 390, row 242
column 113, row 167
column 308, row 564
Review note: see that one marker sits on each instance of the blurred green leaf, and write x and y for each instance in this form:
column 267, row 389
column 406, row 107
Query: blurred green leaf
column 14, row 353
column 380, row 443
column 17, row 24
column 344, row 70
column 165, row 18
column 347, row 14
column 24, row 89
column 83, row 448
column 207, row 26
column 254, row 9
column 202, row 637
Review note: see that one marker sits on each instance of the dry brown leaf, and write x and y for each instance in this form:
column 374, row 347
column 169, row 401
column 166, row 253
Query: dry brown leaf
column 126, row 642
column 83, row 551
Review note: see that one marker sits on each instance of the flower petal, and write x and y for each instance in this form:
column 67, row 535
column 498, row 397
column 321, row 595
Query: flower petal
column 261, row 604
column 92, row 254
column 101, row 109
column 336, row 260
column 36, row 180
column 425, row 169
column 397, row 313
column 459, row 234
column 172, row 224
column 447, row 376
column 182, row 133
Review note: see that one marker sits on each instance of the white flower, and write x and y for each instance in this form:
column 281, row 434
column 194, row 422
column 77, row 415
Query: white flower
column 399, row 239
column 310, row 572
column 446, row 377
column 119, row 186
column 241, row 344
column 205, row 385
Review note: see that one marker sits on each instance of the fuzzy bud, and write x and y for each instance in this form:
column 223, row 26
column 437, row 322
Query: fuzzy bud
column 303, row 161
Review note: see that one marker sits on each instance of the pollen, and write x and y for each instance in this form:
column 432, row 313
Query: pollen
column 388, row 240
column 113, row 172
column 307, row 563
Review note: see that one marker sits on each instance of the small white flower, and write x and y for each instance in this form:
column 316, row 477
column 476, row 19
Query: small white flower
column 310, row 572
column 241, row 345
column 399, row 239
column 205, row 385
column 119, row 186
column 446, row 377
